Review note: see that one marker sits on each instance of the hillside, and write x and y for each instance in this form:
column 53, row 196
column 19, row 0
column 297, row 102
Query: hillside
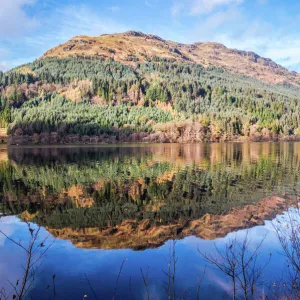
column 132, row 46
column 137, row 87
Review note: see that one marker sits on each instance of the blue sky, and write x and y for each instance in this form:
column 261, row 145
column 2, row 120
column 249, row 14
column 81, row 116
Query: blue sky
column 268, row 27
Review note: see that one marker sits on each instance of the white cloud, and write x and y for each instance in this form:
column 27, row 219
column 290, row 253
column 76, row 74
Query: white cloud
column 14, row 21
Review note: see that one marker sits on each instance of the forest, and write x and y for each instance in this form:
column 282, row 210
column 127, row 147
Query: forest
column 90, row 100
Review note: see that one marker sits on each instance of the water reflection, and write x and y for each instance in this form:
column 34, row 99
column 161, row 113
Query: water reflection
column 139, row 197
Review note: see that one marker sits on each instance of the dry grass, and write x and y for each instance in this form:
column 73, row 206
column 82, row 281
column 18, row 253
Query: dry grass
column 123, row 46
column 25, row 70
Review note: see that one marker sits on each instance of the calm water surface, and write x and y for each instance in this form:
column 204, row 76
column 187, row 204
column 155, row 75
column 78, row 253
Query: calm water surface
column 113, row 204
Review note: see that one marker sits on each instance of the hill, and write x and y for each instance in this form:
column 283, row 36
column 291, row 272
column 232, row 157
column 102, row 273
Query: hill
column 133, row 46
column 139, row 87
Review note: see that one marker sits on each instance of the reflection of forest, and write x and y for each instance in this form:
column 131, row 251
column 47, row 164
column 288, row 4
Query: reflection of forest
column 114, row 197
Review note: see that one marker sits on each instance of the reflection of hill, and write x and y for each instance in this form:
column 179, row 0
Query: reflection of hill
column 139, row 235
column 152, row 193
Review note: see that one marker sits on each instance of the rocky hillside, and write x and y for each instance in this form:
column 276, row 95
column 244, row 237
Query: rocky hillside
column 131, row 47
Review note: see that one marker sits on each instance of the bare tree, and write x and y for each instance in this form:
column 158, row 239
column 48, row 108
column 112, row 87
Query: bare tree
column 199, row 283
column 171, row 272
column 287, row 229
column 240, row 264
column 35, row 253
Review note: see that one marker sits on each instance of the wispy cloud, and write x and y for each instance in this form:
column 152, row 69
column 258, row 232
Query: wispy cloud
column 14, row 20
column 6, row 65
column 286, row 52
column 197, row 7
column 232, row 27
column 71, row 21
column 81, row 20
column 177, row 8
column 220, row 18
column 149, row 4
column 62, row 24
column 263, row 39
column 206, row 6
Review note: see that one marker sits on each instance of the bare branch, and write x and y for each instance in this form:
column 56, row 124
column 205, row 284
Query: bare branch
column 91, row 288
column 145, row 279
column 117, row 281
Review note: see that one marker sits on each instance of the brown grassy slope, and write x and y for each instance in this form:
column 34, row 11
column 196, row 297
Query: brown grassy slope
column 140, row 235
column 129, row 46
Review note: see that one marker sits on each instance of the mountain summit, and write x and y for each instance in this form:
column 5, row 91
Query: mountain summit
column 133, row 46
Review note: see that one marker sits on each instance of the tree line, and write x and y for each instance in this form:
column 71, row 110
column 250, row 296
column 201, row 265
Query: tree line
column 220, row 101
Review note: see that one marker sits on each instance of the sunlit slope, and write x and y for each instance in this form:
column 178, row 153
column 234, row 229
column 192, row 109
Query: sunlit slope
column 131, row 47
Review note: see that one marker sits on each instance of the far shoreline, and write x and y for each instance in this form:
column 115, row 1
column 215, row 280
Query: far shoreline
column 142, row 144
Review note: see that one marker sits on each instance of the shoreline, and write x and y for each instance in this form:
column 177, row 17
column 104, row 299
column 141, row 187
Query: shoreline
column 142, row 143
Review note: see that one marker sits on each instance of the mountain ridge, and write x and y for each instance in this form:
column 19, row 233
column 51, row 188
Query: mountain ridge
column 134, row 46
